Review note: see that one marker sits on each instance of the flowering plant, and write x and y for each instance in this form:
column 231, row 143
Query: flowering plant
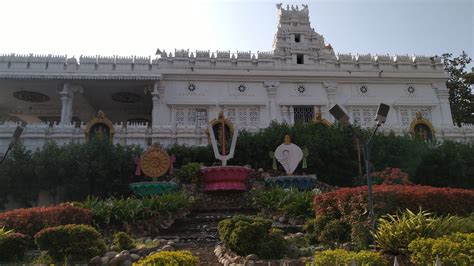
column 390, row 176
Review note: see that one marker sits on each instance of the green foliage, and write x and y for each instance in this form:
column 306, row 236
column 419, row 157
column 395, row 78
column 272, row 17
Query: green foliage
column 43, row 259
column 75, row 242
column 169, row 258
column 395, row 232
column 341, row 257
column 97, row 168
column 450, row 164
column 456, row 249
column 189, row 173
column 192, row 154
column 122, row 241
column 12, row 245
column 326, row 230
column 113, row 211
column 459, row 88
column 361, row 236
column 246, row 235
column 332, row 154
column 292, row 202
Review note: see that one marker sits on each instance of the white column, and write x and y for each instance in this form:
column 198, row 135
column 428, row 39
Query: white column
column 292, row 115
column 331, row 93
column 284, row 111
column 272, row 87
column 67, row 99
column 445, row 108
column 155, row 98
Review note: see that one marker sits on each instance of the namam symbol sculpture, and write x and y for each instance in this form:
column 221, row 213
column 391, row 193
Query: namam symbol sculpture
column 223, row 137
column 289, row 155
column 154, row 162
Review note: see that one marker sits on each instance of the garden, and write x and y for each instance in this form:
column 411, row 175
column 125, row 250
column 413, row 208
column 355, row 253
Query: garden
column 423, row 204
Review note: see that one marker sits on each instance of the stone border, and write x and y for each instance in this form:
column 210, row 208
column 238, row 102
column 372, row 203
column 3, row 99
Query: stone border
column 227, row 257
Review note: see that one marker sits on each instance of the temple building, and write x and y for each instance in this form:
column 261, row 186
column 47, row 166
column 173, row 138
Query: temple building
column 171, row 98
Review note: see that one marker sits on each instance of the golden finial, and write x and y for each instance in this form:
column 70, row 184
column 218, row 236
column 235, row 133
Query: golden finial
column 318, row 116
column 287, row 140
column 419, row 116
column 100, row 114
column 221, row 115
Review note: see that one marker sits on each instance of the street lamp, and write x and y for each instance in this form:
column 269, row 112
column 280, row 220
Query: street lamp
column 380, row 118
column 15, row 138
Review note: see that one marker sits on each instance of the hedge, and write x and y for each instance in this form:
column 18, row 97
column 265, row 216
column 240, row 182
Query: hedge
column 182, row 258
column 12, row 247
column 76, row 242
column 32, row 220
column 350, row 204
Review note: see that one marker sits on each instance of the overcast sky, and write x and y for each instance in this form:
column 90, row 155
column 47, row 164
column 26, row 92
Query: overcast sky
column 91, row 27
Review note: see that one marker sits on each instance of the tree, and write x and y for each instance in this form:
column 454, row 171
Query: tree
column 459, row 88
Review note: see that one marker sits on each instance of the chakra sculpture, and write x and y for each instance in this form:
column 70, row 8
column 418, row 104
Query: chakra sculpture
column 155, row 162
column 223, row 136
column 289, row 156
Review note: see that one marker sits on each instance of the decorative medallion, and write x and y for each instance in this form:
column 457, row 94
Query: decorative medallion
column 422, row 128
column 301, row 89
column 126, row 97
column 191, row 87
column 411, row 89
column 155, row 161
column 363, row 89
column 241, row 88
column 31, row 96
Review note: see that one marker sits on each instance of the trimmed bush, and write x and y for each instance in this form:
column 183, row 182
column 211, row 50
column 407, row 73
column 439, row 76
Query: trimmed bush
column 122, row 241
column 456, row 249
column 245, row 235
column 350, row 204
column 172, row 258
column 32, row 220
column 341, row 257
column 76, row 242
column 12, row 246
column 328, row 231
column 189, row 173
column 395, row 232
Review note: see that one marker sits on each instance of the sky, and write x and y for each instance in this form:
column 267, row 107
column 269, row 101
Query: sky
column 139, row 27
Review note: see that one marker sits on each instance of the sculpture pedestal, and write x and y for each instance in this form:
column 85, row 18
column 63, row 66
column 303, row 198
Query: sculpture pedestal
column 301, row 182
column 144, row 189
column 225, row 178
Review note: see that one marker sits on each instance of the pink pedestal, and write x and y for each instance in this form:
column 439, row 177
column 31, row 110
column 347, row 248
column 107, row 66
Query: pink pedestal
column 225, row 178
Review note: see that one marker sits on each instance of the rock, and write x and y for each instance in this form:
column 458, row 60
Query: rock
column 299, row 235
column 126, row 263
column 119, row 258
column 95, row 260
column 134, row 257
column 111, row 254
column 114, row 262
column 133, row 250
column 171, row 243
column 104, row 260
column 251, row 257
column 260, row 170
column 236, row 259
column 167, row 248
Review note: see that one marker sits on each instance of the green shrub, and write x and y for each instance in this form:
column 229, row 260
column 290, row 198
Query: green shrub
column 74, row 242
column 246, row 235
column 12, row 245
column 292, row 202
column 456, row 249
column 189, row 173
column 43, row 258
column 395, row 232
column 361, row 236
column 119, row 212
column 341, row 257
column 169, row 258
column 122, row 241
column 326, row 230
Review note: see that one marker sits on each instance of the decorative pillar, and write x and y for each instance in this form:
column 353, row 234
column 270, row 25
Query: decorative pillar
column 292, row 115
column 67, row 99
column 443, row 96
column 155, row 98
column 284, row 111
column 173, row 118
column 331, row 88
column 272, row 87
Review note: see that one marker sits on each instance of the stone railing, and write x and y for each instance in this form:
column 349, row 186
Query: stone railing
column 89, row 67
column 140, row 67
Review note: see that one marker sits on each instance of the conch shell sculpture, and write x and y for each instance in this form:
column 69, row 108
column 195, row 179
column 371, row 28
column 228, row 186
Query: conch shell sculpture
column 289, row 155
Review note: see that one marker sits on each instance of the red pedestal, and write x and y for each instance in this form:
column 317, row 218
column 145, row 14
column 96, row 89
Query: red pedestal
column 225, row 178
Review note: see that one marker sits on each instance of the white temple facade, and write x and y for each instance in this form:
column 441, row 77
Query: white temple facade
column 171, row 98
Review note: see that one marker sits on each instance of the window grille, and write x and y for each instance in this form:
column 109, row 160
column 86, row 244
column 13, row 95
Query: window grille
column 303, row 114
